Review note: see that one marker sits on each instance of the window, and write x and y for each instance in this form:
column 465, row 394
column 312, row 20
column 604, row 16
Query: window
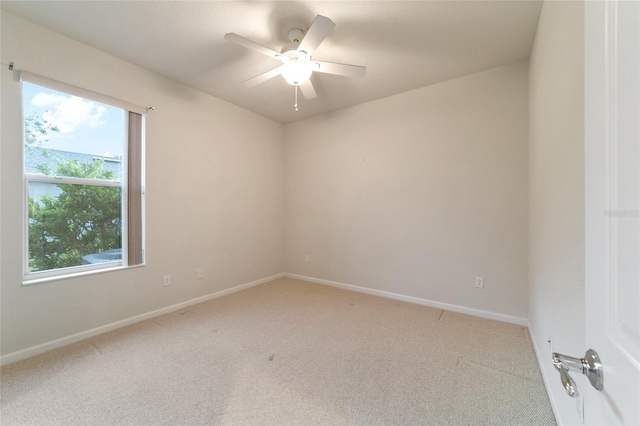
column 83, row 176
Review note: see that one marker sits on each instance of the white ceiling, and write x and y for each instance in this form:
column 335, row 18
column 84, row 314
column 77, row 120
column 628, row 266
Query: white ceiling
column 404, row 44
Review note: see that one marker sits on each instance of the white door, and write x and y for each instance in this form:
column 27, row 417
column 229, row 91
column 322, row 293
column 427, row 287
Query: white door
column 612, row 208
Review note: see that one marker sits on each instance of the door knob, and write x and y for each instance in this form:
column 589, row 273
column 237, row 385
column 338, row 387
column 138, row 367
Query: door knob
column 590, row 366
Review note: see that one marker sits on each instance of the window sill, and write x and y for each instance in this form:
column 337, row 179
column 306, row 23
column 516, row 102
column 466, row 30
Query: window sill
column 27, row 280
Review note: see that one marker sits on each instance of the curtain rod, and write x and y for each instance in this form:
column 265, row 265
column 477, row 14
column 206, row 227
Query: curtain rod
column 36, row 79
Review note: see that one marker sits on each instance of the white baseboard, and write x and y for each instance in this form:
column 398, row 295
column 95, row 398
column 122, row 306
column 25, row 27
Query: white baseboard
column 545, row 377
column 446, row 306
column 57, row 343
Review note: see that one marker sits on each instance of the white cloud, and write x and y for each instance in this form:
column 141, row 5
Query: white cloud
column 69, row 112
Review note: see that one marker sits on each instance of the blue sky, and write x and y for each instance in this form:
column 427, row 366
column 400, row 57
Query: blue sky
column 86, row 126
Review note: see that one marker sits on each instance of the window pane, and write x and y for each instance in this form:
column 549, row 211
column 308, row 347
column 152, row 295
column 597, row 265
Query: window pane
column 66, row 135
column 72, row 225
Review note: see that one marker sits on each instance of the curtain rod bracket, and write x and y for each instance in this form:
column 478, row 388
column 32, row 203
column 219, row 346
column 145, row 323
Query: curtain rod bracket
column 10, row 66
column 151, row 108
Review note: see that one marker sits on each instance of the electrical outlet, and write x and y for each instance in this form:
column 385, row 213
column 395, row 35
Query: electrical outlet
column 200, row 273
column 479, row 282
column 306, row 258
column 167, row 280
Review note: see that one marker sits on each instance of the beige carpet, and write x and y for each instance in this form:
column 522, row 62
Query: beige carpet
column 287, row 352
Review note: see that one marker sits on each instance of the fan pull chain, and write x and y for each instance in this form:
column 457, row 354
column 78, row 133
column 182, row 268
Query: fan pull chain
column 295, row 105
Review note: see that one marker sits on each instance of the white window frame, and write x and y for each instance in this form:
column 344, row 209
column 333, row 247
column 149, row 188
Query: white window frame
column 123, row 183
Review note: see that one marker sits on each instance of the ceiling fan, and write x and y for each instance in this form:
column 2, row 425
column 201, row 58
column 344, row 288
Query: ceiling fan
column 297, row 65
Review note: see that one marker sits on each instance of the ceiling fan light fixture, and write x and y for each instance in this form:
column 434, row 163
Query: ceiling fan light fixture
column 296, row 73
column 297, row 65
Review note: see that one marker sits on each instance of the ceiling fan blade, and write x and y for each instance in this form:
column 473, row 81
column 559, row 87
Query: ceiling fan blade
column 319, row 30
column 340, row 69
column 252, row 82
column 307, row 90
column 245, row 42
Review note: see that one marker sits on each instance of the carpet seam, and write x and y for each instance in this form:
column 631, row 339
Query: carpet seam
column 500, row 371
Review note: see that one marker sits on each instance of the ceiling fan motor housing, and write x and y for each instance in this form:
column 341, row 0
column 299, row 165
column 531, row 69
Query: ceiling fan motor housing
column 293, row 55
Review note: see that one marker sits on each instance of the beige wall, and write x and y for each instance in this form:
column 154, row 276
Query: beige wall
column 417, row 194
column 556, row 203
column 214, row 194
